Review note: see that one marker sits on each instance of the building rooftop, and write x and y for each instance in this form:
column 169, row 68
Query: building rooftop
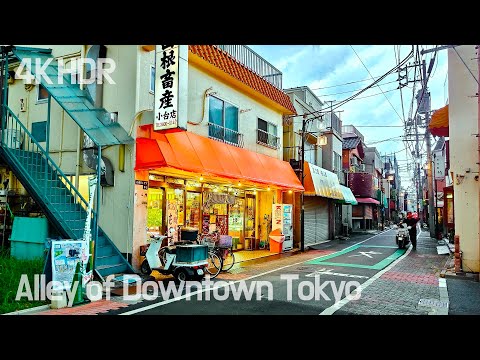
column 233, row 67
column 350, row 142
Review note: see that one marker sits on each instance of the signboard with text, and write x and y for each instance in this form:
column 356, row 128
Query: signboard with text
column 65, row 256
column 166, row 87
column 439, row 165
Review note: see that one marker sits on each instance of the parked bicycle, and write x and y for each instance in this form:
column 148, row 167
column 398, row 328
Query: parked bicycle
column 223, row 249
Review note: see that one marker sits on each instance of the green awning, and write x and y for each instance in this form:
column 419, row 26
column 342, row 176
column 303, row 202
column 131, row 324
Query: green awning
column 348, row 197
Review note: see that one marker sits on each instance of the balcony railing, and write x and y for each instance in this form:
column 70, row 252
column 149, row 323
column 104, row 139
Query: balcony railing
column 225, row 135
column 255, row 62
column 267, row 139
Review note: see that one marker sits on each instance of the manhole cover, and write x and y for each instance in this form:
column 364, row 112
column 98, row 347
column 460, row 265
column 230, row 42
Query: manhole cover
column 433, row 303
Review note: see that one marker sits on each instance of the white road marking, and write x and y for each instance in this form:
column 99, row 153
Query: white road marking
column 330, row 272
column 367, row 254
column 338, row 305
column 165, row 302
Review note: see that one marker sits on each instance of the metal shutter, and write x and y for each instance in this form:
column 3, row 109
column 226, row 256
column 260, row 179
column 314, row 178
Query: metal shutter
column 316, row 220
column 368, row 211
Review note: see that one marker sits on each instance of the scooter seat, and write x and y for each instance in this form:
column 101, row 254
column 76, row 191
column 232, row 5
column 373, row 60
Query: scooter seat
column 171, row 249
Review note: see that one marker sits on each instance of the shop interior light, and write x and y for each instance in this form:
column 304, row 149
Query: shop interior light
column 268, row 188
column 201, row 178
column 290, row 191
column 215, row 189
column 254, row 192
column 239, row 184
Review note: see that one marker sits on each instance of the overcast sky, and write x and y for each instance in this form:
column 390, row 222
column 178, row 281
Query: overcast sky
column 321, row 67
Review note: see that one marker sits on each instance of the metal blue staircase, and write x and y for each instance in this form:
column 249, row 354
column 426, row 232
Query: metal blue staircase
column 44, row 180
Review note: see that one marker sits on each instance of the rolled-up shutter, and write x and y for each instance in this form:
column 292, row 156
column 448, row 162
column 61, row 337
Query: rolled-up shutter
column 368, row 211
column 316, row 220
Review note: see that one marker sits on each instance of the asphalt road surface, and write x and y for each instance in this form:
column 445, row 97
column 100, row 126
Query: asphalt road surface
column 318, row 286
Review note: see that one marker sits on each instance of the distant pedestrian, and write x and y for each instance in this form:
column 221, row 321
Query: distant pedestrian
column 411, row 221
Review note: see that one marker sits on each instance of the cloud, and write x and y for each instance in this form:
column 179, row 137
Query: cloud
column 326, row 66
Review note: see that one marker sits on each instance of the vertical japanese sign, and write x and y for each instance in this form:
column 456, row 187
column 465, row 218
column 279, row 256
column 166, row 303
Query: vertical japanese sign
column 166, row 87
column 439, row 165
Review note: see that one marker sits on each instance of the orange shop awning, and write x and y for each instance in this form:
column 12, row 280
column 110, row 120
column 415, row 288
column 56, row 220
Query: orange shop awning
column 439, row 123
column 186, row 151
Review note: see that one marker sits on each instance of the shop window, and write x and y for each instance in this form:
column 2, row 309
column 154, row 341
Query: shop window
column 267, row 134
column 175, row 207
column 155, row 209
column 223, row 121
column 193, row 209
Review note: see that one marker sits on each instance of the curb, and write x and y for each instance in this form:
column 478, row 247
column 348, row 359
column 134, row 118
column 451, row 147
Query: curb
column 28, row 311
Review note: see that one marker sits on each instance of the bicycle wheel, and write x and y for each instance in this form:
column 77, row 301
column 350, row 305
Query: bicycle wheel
column 214, row 265
column 228, row 259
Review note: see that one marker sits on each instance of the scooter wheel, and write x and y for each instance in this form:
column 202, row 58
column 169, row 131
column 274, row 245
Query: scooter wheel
column 181, row 274
column 145, row 268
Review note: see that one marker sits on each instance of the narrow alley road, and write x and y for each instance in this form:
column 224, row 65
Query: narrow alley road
column 392, row 281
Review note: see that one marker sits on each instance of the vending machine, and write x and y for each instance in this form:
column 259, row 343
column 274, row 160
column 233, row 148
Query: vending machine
column 282, row 218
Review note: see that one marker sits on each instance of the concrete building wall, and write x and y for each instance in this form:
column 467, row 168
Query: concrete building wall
column 463, row 122
column 292, row 140
column 250, row 110
column 121, row 97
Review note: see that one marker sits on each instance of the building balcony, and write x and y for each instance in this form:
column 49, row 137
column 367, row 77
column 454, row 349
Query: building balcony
column 225, row 135
column 266, row 139
column 255, row 62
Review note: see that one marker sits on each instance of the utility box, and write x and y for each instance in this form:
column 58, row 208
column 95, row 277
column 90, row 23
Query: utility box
column 191, row 253
column 28, row 237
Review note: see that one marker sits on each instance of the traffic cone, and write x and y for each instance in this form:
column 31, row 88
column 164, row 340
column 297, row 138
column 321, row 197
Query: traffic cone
column 78, row 296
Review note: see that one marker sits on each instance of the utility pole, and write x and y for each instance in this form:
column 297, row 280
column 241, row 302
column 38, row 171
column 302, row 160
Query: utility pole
column 302, row 166
column 431, row 208
column 418, row 176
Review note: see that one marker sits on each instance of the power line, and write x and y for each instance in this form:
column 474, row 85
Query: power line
column 321, row 112
column 367, row 96
column 375, row 126
column 376, row 84
column 470, row 71
column 347, row 83
column 401, row 95
column 350, row 91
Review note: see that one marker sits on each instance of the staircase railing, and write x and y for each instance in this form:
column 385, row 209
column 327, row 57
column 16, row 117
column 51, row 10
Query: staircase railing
column 45, row 173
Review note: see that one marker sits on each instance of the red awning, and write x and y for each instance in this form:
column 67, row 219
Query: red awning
column 367, row 201
column 439, row 123
column 186, row 151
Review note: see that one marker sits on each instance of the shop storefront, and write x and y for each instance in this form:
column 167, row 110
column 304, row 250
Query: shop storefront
column 199, row 185
column 190, row 205
column 346, row 205
column 364, row 213
column 321, row 189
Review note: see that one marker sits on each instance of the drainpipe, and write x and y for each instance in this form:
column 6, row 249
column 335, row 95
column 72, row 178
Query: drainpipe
column 79, row 134
column 478, row 128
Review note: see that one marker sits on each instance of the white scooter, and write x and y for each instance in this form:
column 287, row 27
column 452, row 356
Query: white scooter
column 183, row 261
column 402, row 237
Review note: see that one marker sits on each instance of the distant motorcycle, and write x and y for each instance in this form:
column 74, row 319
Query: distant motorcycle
column 402, row 237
